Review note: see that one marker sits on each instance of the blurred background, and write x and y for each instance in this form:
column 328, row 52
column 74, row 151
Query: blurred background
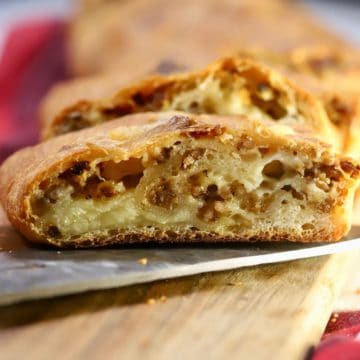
column 343, row 15
column 38, row 49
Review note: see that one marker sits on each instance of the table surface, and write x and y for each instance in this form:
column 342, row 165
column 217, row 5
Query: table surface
column 277, row 309
column 230, row 312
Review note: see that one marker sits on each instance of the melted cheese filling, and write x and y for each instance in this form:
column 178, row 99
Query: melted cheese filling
column 210, row 97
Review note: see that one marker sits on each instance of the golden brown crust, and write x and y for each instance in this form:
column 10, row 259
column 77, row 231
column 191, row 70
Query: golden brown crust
column 63, row 94
column 25, row 170
column 121, row 34
column 77, row 90
column 151, row 95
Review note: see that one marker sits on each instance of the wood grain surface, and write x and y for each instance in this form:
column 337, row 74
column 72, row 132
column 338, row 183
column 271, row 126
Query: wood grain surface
column 274, row 310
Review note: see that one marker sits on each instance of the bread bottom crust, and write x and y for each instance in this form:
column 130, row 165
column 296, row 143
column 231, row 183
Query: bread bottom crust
column 193, row 237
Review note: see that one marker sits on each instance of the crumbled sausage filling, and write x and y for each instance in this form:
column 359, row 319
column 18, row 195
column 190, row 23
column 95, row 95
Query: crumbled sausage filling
column 224, row 93
column 192, row 183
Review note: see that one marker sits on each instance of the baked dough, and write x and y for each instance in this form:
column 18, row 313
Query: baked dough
column 174, row 177
column 133, row 35
column 232, row 86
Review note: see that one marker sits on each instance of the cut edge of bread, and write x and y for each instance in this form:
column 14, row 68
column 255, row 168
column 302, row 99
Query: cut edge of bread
column 231, row 86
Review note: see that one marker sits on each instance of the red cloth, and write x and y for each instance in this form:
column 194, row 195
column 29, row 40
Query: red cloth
column 341, row 340
column 34, row 59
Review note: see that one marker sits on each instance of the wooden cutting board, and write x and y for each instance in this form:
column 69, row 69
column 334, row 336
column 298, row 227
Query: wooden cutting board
column 273, row 311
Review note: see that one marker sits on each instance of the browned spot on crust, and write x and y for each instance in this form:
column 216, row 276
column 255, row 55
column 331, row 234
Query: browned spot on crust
column 181, row 122
column 207, row 132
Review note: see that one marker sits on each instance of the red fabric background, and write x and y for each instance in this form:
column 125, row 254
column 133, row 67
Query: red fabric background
column 33, row 60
